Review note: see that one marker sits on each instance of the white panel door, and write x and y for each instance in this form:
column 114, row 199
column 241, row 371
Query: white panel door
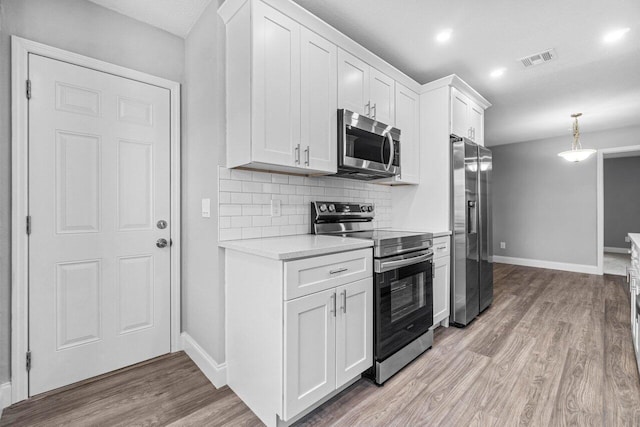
column 99, row 288
column 476, row 121
column 459, row 114
column 353, row 83
column 382, row 93
column 441, row 289
column 354, row 330
column 275, row 86
column 408, row 121
column 309, row 350
column 319, row 102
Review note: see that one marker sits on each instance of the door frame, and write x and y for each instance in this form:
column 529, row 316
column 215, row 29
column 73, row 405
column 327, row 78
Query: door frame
column 20, row 50
column 600, row 198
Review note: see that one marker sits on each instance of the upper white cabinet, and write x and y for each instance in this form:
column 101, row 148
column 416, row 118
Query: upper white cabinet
column 319, row 82
column 467, row 117
column 407, row 104
column 365, row 90
column 281, row 93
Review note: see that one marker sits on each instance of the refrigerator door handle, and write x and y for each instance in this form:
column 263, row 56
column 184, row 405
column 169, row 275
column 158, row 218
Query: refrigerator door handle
column 472, row 217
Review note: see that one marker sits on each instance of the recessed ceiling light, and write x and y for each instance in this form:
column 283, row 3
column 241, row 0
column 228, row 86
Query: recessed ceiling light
column 444, row 35
column 498, row 72
column 616, row 35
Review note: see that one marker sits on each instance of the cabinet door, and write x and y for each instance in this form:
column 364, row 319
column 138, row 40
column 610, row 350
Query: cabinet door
column 354, row 330
column 476, row 122
column 459, row 114
column 275, row 87
column 319, row 103
column 382, row 95
column 353, row 83
column 408, row 121
column 309, row 356
column 441, row 289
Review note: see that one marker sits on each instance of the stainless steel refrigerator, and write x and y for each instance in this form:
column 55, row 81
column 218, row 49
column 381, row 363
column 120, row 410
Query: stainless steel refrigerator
column 472, row 266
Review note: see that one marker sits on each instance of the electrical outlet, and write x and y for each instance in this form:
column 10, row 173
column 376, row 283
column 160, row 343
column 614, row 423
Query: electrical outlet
column 276, row 208
column 503, row 245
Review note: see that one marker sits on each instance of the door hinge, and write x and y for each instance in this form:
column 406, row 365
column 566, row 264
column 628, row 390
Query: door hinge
column 28, row 224
column 28, row 89
column 28, row 360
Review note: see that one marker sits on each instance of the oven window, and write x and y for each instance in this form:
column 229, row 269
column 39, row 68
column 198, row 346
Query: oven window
column 407, row 296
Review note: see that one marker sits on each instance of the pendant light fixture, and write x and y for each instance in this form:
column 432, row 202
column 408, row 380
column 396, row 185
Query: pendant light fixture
column 577, row 153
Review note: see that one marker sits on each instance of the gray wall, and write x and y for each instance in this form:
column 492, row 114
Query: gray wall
column 82, row 27
column 621, row 201
column 544, row 208
column 204, row 117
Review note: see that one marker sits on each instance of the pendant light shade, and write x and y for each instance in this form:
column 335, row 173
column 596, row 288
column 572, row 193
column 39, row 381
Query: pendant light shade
column 577, row 153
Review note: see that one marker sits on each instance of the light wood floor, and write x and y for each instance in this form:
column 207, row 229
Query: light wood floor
column 554, row 349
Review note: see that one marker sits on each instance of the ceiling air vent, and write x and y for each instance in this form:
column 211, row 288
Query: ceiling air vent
column 538, row 58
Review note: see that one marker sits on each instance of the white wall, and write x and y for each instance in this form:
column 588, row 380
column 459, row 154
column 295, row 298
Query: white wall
column 545, row 208
column 203, row 147
column 81, row 27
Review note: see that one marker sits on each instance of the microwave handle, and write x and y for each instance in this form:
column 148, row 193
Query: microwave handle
column 392, row 148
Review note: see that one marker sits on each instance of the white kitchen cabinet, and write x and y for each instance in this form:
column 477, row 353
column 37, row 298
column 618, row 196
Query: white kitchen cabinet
column 319, row 102
column 365, row 90
column 467, row 117
column 354, row 330
column 298, row 331
column 310, row 350
column 407, row 105
column 441, row 281
column 281, row 93
column 275, row 87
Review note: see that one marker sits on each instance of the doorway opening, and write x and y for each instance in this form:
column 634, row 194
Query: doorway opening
column 618, row 207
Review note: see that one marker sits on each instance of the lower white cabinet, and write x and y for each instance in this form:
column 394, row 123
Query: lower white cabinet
column 288, row 352
column 328, row 342
column 441, row 281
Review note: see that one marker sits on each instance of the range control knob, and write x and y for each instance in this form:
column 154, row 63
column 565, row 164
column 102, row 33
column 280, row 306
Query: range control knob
column 370, row 208
column 363, row 208
column 332, row 207
column 323, row 208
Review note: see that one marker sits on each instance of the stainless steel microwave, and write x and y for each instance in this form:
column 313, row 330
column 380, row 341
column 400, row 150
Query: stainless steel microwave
column 367, row 149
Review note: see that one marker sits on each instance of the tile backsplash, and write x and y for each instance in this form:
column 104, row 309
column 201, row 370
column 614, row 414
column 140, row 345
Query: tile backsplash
column 245, row 202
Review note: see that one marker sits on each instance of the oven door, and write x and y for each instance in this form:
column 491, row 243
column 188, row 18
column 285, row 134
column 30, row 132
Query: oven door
column 403, row 303
column 367, row 145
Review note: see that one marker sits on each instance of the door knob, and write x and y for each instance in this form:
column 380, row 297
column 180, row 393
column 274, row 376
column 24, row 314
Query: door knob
column 162, row 243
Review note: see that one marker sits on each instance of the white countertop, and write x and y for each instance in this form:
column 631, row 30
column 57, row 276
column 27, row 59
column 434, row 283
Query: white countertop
column 291, row 247
column 635, row 238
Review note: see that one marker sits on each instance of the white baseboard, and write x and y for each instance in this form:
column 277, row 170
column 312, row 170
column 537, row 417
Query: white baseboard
column 5, row 396
column 214, row 371
column 613, row 250
column 576, row 268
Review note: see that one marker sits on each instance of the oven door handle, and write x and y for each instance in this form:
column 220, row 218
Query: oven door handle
column 392, row 265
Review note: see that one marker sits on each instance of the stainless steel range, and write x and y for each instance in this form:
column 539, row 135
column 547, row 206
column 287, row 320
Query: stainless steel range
column 403, row 282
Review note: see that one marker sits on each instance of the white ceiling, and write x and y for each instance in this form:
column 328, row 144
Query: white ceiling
column 601, row 81
column 174, row 16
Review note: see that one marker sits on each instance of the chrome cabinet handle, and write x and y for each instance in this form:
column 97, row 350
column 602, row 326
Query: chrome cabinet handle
column 306, row 153
column 441, row 247
column 368, row 108
column 333, row 304
column 340, row 270
column 297, row 154
column 344, row 301
column 162, row 243
column 469, row 133
column 374, row 111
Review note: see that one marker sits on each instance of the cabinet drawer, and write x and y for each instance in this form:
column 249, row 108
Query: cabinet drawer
column 441, row 247
column 309, row 275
